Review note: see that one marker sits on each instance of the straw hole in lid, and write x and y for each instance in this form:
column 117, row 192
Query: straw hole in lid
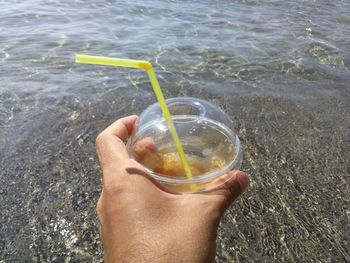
column 188, row 108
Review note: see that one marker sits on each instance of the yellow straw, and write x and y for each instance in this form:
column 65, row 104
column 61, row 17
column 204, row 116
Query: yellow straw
column 141, row 64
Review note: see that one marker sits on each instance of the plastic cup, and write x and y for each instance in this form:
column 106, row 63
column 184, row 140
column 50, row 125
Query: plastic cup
column 207, row 136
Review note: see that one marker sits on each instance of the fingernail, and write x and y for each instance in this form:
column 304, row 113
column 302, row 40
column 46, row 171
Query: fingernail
column 243, row 180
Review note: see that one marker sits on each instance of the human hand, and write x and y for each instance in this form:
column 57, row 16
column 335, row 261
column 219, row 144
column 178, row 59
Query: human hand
column 142, row 222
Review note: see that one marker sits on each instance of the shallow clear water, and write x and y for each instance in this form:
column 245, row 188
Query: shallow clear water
column 280, row 69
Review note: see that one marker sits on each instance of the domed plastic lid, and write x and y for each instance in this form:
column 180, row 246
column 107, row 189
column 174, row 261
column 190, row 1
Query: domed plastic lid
column 186, row 106
column 207, row 137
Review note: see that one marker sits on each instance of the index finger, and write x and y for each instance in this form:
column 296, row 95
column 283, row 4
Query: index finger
column 110, row 145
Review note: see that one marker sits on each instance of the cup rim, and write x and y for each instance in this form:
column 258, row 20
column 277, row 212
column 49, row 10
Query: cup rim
column 209, row 176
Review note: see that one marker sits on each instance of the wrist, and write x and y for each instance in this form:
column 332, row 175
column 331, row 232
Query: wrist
column 142, row 253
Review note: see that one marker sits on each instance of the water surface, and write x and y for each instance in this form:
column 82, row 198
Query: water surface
column 280, row 69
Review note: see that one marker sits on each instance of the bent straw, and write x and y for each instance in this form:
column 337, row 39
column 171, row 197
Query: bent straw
column 141, row 64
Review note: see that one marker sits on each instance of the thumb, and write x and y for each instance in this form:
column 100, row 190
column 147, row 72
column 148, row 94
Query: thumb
column 232, row 188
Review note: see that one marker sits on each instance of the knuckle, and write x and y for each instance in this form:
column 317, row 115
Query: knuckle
column 100, row 138
column 99, row 207
column 115, row 189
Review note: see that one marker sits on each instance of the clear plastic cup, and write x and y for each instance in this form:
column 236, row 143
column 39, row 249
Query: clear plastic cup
column 207, row 136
